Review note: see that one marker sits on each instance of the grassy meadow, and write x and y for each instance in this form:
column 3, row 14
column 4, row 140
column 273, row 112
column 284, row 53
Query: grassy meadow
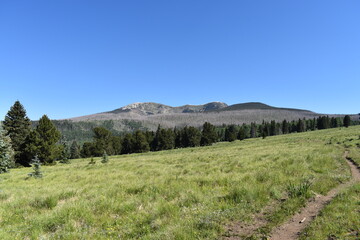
column 188, row 193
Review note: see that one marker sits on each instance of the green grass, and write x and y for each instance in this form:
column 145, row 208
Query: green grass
column 179, row 194
column 338, row 220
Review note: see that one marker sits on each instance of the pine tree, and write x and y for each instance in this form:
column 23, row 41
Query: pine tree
column 42, row 142
column 127, row 144
column 64, row 158
column 347, row 121
column 208, row 134
column 105, row 158
column 301, row 126
column 194, row 137
column 242, row 133
column 272, row 128
column 36, row 167
column 253, row 130
column 17, row 126
column 140, row 143
column 6, row 152
column 74, row 150
column 230, row 133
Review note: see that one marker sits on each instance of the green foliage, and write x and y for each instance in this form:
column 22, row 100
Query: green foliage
column 230, row 133
column 105, row 158
column 36, row 164
column 42, row 142
column 17, row 126
column 208, row 134
column 127, row 144
column 6, row 152
column 347, row 121
column 74, row 150
column 140, row 143
column 242, row 133
column 299, row 190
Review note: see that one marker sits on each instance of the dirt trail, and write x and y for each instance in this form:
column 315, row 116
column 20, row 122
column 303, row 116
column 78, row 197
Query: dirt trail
column 293, row 227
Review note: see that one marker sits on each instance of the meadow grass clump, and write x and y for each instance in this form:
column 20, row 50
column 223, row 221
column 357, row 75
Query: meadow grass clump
column 301, row 189
column 45, row 203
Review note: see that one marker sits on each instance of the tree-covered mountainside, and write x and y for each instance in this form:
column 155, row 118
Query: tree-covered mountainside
column 147, row 116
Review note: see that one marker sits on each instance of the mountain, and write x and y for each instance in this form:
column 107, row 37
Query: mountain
column 150, row 108
column 147, row 116
column 258, row 106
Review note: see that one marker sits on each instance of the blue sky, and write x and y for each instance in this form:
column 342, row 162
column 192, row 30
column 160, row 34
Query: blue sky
column 70, row 58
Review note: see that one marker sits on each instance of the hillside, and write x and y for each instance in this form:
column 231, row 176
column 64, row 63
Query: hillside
column 147, row 116
column 193, row 193
column 150, row 112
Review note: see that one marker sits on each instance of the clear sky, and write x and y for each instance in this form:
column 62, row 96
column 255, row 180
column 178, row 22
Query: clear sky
column 68, row 58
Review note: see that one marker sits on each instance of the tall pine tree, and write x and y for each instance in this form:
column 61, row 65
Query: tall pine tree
column 17, row 126
column 42, row 142
column 347, row 121
column 208, row 134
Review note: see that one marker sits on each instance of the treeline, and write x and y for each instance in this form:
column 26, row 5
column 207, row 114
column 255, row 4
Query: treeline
column 165, row 139
column 20, row 143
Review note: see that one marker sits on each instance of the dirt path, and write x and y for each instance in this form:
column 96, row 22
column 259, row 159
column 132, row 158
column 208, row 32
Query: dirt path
column 293, row 227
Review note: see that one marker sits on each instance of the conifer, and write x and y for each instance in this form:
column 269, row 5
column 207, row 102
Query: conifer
column 36, row 164
column 105, row 158
column 17, row 127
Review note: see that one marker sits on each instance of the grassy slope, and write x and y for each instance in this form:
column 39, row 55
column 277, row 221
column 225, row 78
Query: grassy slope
column 177, row 194
column 340, row 219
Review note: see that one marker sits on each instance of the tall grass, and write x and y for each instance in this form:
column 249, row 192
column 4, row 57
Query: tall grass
column 179, row 194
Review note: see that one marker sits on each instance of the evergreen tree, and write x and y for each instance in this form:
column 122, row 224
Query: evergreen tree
column 155, row 143
column 230, row 133
column 102, row 141
column 74, row 150
column 87, row 150
column 301, row 126
column 265, row 131
column 253, row 130
column 105, row 158
column 64, row 158
column 272, row 128
column 17, row 126
column 140, row 143
column 194, row 136
column 242, row 133
column 37, row 168
column 208, row 134
column 347, row 121
column 6, row 152
column 127, row 144
column 178, row 139
column 334, row 122
column 42, row 142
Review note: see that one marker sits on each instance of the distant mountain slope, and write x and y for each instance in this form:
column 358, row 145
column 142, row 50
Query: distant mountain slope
column 151, row 108
column 258, row 106
column 150, row 115
column 147, row 116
